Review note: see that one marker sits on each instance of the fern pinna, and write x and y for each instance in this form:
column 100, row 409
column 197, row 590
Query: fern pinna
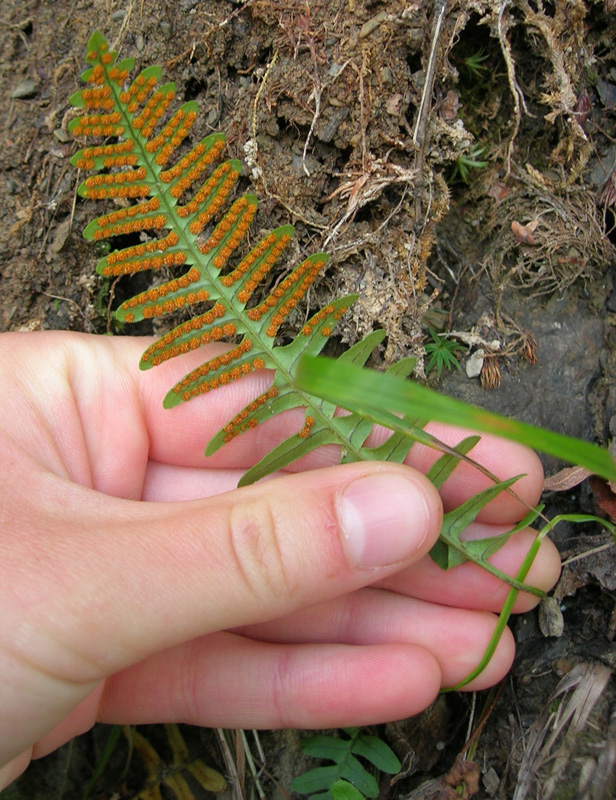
column 177, row 204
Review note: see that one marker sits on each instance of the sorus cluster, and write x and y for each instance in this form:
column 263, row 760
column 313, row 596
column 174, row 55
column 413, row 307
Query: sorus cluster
column 132, row 226
column 100, row 97
column 117, row 75
column 191, row 175
column 326, row 330
column 110, row 192
column 295, row 286
column 116, row 177
column 175, row 304
column 114, row 155
column 114, row 74
column 275, row 245
column 153, row 111
column 305, row 431
column 99, row 125
column 188, row 328
column 97, row 74
column 210, row 153
column 138, row 92
column 214, row 335
column 131, row 211
column 171, row 136
column 226, row 376
column 120, row 257
column 175, row 259
column 233, row 225
column 213, row 206
column 117, row 184
column 213, row 194
column 171, row 287
column 243, row 421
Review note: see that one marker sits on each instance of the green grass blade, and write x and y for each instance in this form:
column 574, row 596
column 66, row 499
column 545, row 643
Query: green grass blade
column 112, row 740
column 513, row 592
column 364, row 389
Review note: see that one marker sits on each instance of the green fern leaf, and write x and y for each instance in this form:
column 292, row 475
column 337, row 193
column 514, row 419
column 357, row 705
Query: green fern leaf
column 342, row 790
column 446, row 464
column 347, row 777
column 376, row 752
column 179, row 203
column 180, row 206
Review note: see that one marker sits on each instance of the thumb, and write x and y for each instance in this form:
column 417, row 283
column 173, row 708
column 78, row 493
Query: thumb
column 131, row 579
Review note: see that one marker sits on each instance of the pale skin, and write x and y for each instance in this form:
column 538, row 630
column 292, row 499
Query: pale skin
column 138, row 585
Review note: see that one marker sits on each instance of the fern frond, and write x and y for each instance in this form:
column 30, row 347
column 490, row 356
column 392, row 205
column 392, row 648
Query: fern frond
column 346, row 777
column 176, row 200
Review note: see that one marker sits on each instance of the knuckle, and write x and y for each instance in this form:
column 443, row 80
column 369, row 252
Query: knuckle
column 257, row 543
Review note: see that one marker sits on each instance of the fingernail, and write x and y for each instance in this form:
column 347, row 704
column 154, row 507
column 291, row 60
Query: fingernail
column 384, row 518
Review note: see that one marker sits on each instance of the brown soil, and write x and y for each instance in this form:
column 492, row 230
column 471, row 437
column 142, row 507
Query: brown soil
column 331, row 105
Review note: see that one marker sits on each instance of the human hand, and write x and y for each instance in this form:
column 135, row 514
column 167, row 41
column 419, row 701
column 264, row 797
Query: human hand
column 277, row 605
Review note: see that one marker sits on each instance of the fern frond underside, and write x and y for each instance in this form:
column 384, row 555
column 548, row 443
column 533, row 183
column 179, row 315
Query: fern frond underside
column 178, row 203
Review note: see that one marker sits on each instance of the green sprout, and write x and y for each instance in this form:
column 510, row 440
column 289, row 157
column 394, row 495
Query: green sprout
column 466, row 162
column 442, row 352
column 474, row 64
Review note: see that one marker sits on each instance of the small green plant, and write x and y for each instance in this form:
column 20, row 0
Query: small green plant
column 467, row 162
column 442, row 352
column 346, row 778
column 474, row 64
